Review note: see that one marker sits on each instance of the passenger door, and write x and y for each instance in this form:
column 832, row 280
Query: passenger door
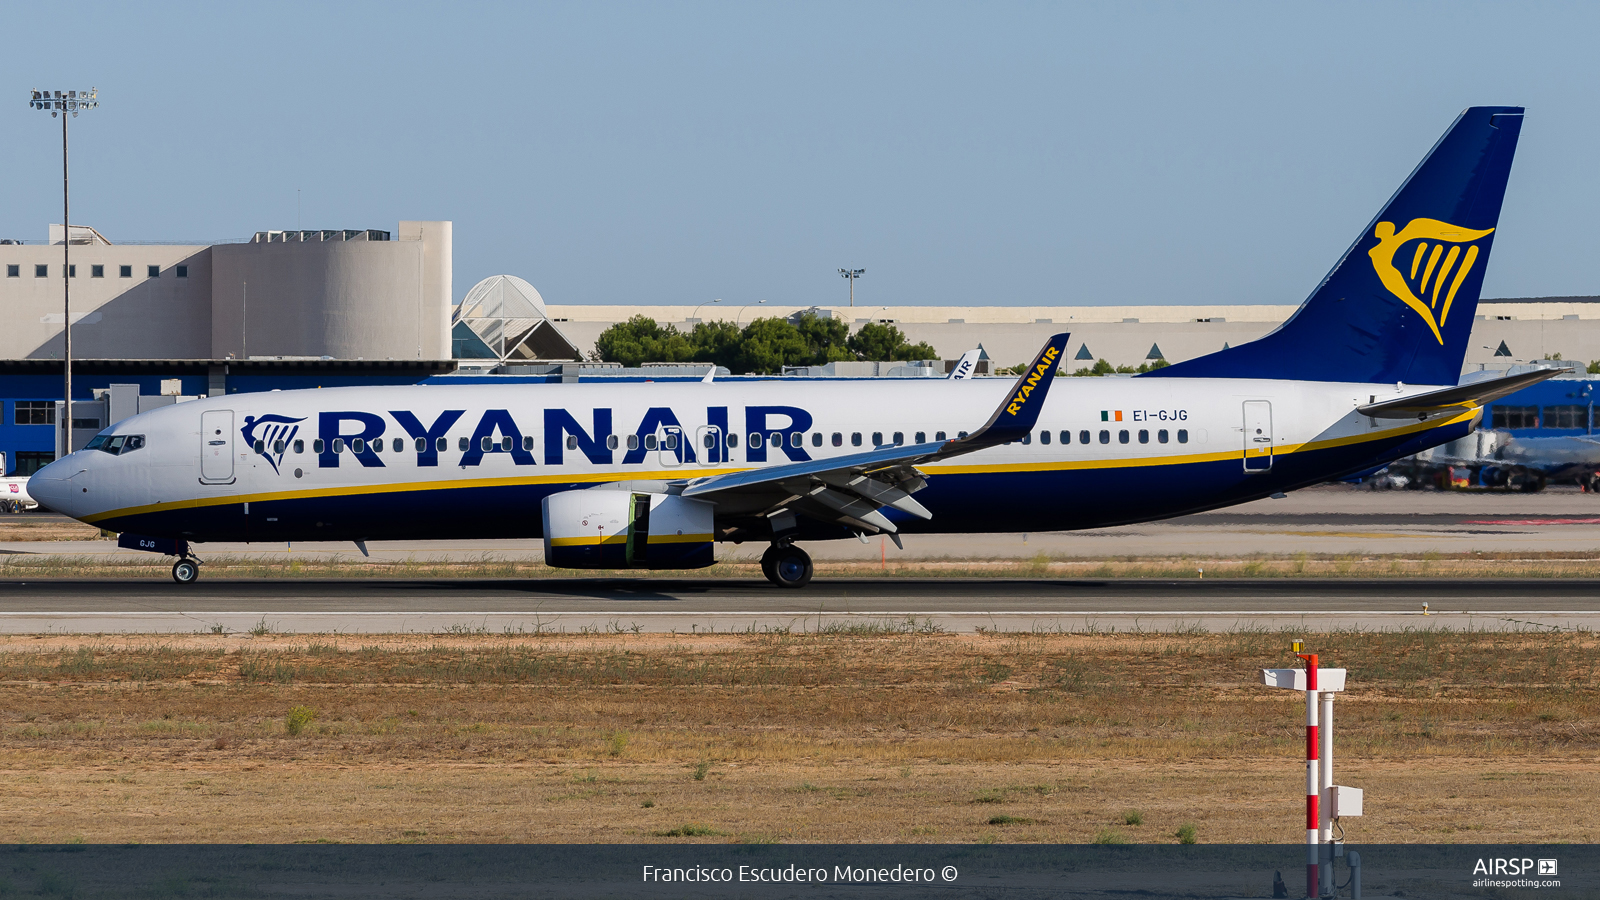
column 1257, row 435
column 216, row 446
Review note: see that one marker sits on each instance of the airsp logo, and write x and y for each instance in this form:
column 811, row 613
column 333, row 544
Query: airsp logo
column 1423, row 268
column 1512, row 866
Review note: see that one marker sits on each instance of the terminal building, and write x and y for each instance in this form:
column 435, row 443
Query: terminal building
column 157, row 323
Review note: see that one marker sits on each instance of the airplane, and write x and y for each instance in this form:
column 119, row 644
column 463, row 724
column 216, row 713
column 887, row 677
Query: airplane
column 654, row 475
column 966, row 366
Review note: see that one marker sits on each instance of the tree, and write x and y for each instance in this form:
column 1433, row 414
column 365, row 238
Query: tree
column 768, row 345
column 879, row 341
column 642, row 339
column 876, row 341
column 827, row 339
column 717, row 343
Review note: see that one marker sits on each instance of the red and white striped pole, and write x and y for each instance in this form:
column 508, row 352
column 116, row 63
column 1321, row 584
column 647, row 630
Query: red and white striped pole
column 1313, row 781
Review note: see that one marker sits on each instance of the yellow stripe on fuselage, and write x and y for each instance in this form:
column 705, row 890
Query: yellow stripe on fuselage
column 676, row 474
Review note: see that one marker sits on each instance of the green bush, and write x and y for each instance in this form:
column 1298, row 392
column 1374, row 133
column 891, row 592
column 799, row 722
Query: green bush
column 1186, row 833
column 298, row 718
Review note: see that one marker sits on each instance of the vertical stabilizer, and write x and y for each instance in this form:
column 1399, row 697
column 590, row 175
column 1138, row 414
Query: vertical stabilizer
column 1399, row 305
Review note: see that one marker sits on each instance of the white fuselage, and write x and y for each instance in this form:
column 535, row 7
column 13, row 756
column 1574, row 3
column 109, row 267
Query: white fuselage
column 445, row 461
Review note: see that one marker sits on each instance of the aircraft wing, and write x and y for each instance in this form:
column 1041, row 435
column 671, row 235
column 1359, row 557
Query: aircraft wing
column 1460, row 398
column 851, row 489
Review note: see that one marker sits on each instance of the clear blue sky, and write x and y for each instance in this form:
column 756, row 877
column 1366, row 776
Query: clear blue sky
column 673, row 153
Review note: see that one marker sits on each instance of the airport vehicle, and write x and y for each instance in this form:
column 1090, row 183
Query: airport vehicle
column 14, row 496
column 654, row 475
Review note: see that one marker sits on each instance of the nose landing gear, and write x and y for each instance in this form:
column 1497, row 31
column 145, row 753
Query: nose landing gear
column 787, row 566
column 186, row 570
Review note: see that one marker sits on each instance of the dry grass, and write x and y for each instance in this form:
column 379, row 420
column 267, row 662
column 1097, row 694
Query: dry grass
column 1475, row 565
column 37, row 526
column 908, row 737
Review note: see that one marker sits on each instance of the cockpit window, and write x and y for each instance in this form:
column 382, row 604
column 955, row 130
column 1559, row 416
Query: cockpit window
column 116, row 444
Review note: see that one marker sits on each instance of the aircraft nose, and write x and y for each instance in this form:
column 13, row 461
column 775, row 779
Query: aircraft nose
column 52, row 485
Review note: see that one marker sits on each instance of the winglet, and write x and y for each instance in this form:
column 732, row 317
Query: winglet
column 1019, row 412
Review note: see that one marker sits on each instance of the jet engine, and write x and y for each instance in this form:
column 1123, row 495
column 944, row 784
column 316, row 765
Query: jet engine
column 604, row 528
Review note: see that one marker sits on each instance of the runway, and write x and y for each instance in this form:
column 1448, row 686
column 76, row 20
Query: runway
column 602, row 605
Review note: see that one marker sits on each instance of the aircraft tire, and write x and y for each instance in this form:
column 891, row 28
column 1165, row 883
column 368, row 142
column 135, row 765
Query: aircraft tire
column 790, row 568
column 186, row 571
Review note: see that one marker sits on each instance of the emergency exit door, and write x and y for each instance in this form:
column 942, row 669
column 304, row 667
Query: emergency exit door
column 216, row 446
column 1257, row 435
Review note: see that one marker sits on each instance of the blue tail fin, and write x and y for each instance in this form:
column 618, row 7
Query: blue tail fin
column 1400, row 303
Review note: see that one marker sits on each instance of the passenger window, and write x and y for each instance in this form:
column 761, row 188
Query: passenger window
column 633, row 442
column 440, row 444
column 1183, row 435
column 877, row 439
column 796, row 438
column 1083, row 437
column 672, row 441
column 1044, row 437
column 755, row 440
column 338, row 445
column 397, row 445
column 775, row 439
column 377, row 445
column 572, row 442
column 733, row 439
column 922, row 437
column 938, row 435
column 899, row 438
column 1122, row 436
column 464, row 443
column 1144, row 436
column 855, row 438
column 357, row 445
column 259, row 446
column 838, row 439
column 317, row 445
column 1027, row 438
column 611, row 442
column 527, row 442
column 649, row 442
column 422, row 445
column 505, row 444
column 300, row 447
column 1105, row 436
column 711, row 441
column 1161, row 436
column 816, row 439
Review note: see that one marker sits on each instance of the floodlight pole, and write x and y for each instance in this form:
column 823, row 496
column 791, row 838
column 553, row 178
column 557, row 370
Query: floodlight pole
column 63, row 103
column 852, row 274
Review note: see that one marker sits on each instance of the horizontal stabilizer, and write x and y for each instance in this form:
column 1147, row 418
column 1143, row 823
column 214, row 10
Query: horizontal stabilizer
column 1462, row 397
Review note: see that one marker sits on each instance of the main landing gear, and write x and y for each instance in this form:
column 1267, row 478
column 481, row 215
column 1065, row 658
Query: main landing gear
column 186, row 570
column 787, row 566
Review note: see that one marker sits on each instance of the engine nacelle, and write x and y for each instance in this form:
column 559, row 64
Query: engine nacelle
column 618, row 529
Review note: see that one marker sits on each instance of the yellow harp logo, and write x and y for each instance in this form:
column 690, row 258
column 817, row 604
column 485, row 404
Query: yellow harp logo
column 1427, row 272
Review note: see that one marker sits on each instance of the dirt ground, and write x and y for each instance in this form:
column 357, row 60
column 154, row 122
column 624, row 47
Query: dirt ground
column 791, row 738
